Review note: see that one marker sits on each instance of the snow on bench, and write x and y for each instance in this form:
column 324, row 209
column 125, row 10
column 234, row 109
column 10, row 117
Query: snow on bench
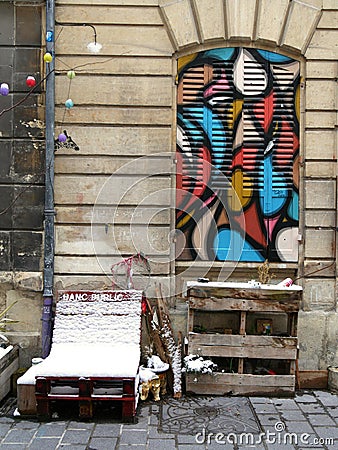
column 97, row 337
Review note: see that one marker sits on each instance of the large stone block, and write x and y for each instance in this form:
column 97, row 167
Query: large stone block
column 321, row 94
column 322, row 219
column 210, row 19
column 146, row 165
column 28, row 35
column 312, row 332
column 320, row 169
column 326, row 119
column 240, row 18
column 28, row 209
column 319, row 242
column 119, row 13
column 112, row 240
column 320, row 145
column 28, row 161
column 329, row 19
column 319, row 294
column 28, row 281
column 27, row 310
column 321, row 69
column 7, row 23
column 297, row 36
column 100, row 265
column 330, row 4
column 6, row 67
column 123, row 65
column 180, row 21
column 320, row 194
column 144, row 190
column 271, row 19
column 27, row 115
column 315, row 268
column 27, row 250
column 112, row 215
column 127, row 140
column 126, row 116
column 117, row 91
column 323, row 45
column 134, row 40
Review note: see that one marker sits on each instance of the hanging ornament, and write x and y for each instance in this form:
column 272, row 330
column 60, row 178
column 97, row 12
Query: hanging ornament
column 71, row 74
column 30, row 81
column 4, row 89
column 69, row 103
column 62, row 137
column 47, row 57
column 68, row 143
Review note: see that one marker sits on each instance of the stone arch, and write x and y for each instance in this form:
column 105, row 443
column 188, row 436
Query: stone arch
column 273, row 23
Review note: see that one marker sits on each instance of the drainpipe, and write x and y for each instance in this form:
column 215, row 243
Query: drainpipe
column 49, row 213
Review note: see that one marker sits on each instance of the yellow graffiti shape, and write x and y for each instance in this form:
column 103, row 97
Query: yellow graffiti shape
column 242, row 185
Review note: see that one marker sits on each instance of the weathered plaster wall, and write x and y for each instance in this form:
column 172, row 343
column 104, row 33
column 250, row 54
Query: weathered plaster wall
column 125, row 108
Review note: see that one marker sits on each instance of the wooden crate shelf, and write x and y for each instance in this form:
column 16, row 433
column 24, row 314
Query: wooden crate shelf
column 239, row 346
column 240, row 384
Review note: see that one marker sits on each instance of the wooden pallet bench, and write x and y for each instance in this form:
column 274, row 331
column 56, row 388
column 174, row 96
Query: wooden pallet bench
column 95, row 355
column 86, row 391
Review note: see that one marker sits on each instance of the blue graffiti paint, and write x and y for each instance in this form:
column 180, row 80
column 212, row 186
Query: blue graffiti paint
column 229, row 245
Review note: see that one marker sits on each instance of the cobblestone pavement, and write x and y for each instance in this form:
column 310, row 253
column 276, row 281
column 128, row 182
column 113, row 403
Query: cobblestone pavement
column 307, row 421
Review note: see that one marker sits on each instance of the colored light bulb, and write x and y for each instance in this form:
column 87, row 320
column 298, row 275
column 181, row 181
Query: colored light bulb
column 4, row 89
column 62, row 137
column 71, row 74
column 30, row 81
column 69, row 103
column 47, row 57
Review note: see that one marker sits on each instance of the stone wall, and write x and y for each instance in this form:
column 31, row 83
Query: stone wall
column 125, row 108
column 21, row 174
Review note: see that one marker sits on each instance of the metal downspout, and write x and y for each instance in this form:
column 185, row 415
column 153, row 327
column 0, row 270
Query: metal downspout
column 49, row 213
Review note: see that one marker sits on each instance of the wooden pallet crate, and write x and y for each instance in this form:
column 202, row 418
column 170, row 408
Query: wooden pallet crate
column 239, row 305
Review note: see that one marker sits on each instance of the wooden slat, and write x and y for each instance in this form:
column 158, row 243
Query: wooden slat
column 26, row 399
column 244, row 293
column 190, row 320
column 240, row 384
column 293, row 318
column 289, row 304
column 242, row 325
column 237, row 346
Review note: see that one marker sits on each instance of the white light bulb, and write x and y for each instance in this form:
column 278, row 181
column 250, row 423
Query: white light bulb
column 94, row 47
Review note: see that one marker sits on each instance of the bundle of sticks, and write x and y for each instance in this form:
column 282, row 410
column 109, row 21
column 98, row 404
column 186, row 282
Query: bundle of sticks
column 164, row 342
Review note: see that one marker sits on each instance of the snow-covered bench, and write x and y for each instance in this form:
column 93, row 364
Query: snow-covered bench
column 95, row 354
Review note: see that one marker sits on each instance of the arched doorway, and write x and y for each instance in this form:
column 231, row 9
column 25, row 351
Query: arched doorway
column 237, row 131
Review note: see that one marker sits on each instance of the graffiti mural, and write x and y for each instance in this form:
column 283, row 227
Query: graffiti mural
column 237, row 156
